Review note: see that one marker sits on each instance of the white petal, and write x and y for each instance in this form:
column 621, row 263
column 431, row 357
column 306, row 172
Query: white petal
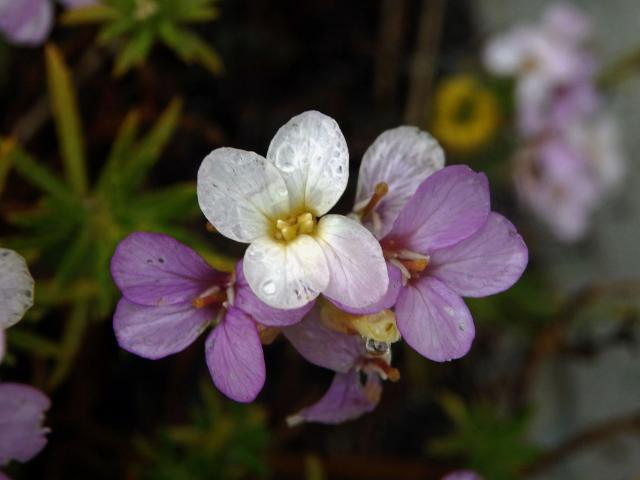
column 402, row 158
column 240, row 193
column 286, row 275
column 356, row 264
column 16, row 288
column 311, row 154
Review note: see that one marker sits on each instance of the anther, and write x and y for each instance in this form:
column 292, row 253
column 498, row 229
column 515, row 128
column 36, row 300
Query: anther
column 416, row 266
column 211, row 299
column 380, row 190
column 210, row 228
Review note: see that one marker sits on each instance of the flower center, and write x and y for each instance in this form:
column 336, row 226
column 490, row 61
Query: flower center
column 213, row 296
column 379, row 330
column 288, row 229
column 411, row 264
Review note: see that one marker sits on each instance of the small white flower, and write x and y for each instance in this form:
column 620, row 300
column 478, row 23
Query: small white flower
column 278, row 205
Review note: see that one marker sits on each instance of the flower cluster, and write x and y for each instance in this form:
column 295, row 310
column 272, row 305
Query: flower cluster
column 21, row 407
column 571, row 155
column 341, row 289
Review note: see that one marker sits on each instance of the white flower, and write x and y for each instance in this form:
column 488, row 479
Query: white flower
column 278, row 205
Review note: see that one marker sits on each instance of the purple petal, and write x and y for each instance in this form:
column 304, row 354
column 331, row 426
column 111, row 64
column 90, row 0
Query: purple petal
column 3, row 476
column 448, row 207
column 485, row 263
column 235, row 358
column 387, row 301
column 322, row 346
column 21, row 414
column 249, row 303
column 402, row 158
column 434, row 320
column 462, row 475
column 345, row 400
column 155, row 269
column 155, row 332
column 26, row 22
column 358, row 276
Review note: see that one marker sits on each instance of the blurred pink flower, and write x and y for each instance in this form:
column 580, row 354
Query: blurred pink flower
column 28, row 22
column 462, row 475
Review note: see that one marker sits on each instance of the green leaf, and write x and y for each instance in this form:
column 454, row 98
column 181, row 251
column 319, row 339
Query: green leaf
column 134, row 52
column 110, row 176
column 174, row 202
column 88, row 14
column 191, row 48
column 38, row 175
column 148, row 150
column 114, row 30
column 73, row 260
column 32, row 343
column 74, row 331
column 67, row 119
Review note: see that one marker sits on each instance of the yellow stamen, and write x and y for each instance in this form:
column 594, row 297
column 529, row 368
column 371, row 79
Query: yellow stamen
column 288, row 229
column 211, row 299
column 415, row 266
column 380, row 190
column 380, row 326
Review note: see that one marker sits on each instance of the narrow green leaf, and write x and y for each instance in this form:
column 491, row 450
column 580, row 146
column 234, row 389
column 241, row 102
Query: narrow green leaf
column 38, row 175
column 74, row 331
column 110, row 176
column 74, row 258
column 88, row 14
column 134, row 52
column 115, row 29
column 175, row 202
column 67, row 119
column 191, row 48
column 148, row 150
column 32, row 343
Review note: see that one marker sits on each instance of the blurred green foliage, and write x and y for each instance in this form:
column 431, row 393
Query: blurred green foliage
column 134, row 26
column 224, row 440
column 75, row 226
column 490, row 441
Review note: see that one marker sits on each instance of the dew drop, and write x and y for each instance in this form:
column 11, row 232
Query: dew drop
column 449, row 311
column 376, row 347
column 269, row 287
column 285, row 159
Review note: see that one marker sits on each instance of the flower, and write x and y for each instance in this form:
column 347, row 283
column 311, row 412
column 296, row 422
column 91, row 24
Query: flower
column 28, row 22
column 447, row 244
column 278, row 205
column 22, row 409
column 21, row 406
column 563, row 177
column 171, row 295
column 550, row 62
column 347, row 397
column 466, row 113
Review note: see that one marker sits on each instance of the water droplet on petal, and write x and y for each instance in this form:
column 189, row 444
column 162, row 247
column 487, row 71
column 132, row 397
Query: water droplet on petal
column 285, row 160
column 269, row 287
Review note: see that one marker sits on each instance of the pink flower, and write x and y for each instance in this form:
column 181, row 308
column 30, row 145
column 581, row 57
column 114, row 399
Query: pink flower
column 462, row 475
column 446, row 243
column 171, row 295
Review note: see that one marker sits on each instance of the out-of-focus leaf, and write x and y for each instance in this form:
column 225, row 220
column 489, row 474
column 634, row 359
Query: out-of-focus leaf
column 5, row 161
column 67, row 119
column 38, row 175
column 191, row 48
column 492, row 443
column 74, row 330
column 73, row 259
column 115, row 30
column 148, row 150
column 174, row 202
column 313, row 469
column 109, row 180
column 134, row 52
column 31, row 343
column 98, row 13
